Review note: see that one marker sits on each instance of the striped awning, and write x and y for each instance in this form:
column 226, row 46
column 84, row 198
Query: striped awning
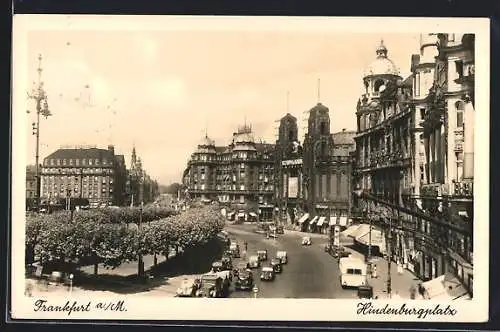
column 333, row 221
column 321, row 221
column 343, row 221
column 253, row 214
column 303, row 218
column 313, row 221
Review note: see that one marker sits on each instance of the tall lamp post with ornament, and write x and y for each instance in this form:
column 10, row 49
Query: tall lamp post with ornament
column 39, row 95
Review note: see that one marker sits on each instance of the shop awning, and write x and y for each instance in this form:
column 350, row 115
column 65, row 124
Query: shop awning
column 360, row 231
column 350, row 230
column 241, row 214
column 303, row 218
column 445, row 287
column 343, row 221
column 377, row 239
column 253, row 214
column 313, row 221
column 230, row 214
column 333, row 221
column 321, row 220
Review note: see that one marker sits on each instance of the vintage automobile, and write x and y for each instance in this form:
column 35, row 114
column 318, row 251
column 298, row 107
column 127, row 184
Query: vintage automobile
column 262, row 255
column 365, row 292
column 335, row 251
column 227, row 263
column 306, row 241
column 188, row 288
column 213, row 285
column 267, row 274
column 242, row 265
column 244, row 281
column 234, row 248
column 280, row 229
column 276, row 265
column 283, row 256
column 254, row 262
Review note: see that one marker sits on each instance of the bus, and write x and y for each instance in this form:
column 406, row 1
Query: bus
column 352, row 272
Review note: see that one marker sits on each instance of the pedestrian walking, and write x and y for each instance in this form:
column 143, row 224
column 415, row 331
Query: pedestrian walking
column 400, row 268
column 246, row 246
column 421, row 290
column 413, row 292
column 374, row 271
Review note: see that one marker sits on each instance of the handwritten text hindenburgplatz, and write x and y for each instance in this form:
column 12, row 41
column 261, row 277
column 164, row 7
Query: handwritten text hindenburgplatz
column 368, row 308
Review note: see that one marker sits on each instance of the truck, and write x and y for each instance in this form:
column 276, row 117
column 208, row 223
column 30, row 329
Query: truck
column 352, row 272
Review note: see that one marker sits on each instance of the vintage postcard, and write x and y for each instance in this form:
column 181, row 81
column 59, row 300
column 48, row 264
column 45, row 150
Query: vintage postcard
column 250, row 168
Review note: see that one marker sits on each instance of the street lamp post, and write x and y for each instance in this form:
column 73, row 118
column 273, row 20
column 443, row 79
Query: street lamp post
column 359, row 193
column 389, row 258
column 42, row 108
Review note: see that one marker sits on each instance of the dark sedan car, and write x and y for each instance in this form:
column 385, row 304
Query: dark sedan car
column 244, row 281
column 276, row 265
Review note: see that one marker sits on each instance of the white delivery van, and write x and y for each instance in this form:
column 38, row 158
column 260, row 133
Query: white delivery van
column 352, row 272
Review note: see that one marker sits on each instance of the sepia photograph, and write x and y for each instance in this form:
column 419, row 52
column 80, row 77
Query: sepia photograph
column 184, row 167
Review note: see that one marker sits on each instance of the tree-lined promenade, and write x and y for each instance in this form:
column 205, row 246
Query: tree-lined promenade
column 116, row 235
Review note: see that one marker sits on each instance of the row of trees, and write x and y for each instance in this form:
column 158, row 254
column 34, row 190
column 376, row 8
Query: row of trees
column 115, row 236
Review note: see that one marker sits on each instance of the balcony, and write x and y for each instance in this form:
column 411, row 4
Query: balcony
column 463, row 189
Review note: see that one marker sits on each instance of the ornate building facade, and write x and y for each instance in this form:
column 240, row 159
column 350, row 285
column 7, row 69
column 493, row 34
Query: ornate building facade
column 240, row 175
column 84, row 172
column 448, row 134
column 414, row 156
column 289, row 179
column 327, row 172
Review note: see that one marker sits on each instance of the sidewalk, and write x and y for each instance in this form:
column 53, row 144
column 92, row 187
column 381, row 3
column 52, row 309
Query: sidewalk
column 400, row 283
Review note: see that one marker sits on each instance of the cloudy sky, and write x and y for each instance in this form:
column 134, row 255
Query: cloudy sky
column 160, row 90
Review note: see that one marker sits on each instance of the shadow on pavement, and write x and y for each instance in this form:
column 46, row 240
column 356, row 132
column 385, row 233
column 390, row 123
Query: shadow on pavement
column 192, row 261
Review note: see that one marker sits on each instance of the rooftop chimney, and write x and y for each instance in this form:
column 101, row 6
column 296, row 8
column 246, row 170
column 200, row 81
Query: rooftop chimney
column 111, row 148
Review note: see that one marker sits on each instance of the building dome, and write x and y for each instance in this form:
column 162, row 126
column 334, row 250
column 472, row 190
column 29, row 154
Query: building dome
column 382, row 65
column 206, row 145
column 206, row 141
column 244, row 138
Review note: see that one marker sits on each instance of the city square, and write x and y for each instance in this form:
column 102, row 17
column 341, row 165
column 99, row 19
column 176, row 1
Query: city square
column 373, row 200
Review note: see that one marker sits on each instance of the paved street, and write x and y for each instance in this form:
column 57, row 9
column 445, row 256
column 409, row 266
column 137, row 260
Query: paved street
column 310, row 272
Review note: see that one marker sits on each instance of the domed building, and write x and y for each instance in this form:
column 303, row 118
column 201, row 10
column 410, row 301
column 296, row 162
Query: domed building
column 384, row 149
column 238, row 176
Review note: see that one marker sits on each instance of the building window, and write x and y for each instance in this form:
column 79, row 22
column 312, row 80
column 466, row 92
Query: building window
column 460, row 119
column 459, row 64
column 242, row 187
column 422, row 114
column 242, row 199
column 90, row 162
column 323, row 128
column 417, row 84
column 242, row 165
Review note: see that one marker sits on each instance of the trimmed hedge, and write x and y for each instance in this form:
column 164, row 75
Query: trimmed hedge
column 112, row 236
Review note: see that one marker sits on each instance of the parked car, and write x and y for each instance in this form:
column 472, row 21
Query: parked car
column 212, row 285
column 244, row 281
column 267, row 274
column 262, row 254
column 365, row 292
column 306, row 241
column 283, row 256
column 188, row 287
column 276, row 265
column 234, row 248
column 254, row 262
